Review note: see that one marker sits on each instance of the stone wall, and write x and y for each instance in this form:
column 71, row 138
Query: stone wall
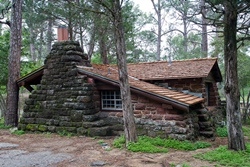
column 156, row 119
column 68, row 101
column 64, row 99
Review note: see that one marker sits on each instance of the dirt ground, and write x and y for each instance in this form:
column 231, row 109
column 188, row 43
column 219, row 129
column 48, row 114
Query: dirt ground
column 86, row 150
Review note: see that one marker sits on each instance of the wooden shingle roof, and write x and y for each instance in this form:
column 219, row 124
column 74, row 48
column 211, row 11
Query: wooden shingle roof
column 141, row 72
column 108, row 73
column 178, row 69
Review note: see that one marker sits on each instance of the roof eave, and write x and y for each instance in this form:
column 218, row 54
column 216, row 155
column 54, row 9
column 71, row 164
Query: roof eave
column 176, row 104
column 30, row 76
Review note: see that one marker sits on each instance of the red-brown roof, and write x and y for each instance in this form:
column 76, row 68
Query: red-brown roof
column 108, row 72
column 178, row 69
column 141, row 72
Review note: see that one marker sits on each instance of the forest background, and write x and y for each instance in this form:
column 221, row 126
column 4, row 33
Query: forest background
column 173, row 30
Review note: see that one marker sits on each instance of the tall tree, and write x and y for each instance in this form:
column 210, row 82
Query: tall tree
column 117, row 20
column 11, row 115
column 236, row 21
column 158, row 8
column 204, row 41
column 128, row 114
column 235, row 133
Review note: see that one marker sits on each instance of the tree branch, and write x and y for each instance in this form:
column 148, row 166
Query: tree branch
column 5, row 11
column 154, row 5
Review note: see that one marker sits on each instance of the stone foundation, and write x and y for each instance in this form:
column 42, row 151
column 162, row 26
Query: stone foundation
column 68, row 101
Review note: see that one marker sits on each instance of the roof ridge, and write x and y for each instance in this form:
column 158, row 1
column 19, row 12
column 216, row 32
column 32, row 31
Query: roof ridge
column 183, row 60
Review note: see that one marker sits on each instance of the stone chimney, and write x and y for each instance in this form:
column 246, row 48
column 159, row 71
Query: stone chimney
column 63, row 101
column 62, row 33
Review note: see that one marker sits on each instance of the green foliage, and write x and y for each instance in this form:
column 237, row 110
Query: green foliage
column 2, row 126
column 4, row 52
column 185, row 165
column 246, row 131
column 64, row 133
column 100, row 141
column 157, row 144
column 221, row 131
column 108, row 149
column 176, row 49
column 27, row 67
column 226, row 157
column 145, row 146
column 47, row 134
column 18, row 132
column 174, row 143
column 119, row 141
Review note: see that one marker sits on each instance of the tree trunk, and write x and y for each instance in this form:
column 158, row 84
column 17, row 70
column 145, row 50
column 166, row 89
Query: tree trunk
column 103, row 49
column 32, row 45
column 49, row 36
column 159, row 32
column 128, row 115
column 234, row 126
column 91, row 44
column 204, row 45
column 40, row 47
column 11, row 115
column 245, row 106
column 157, row 8
column 185, row 35
column 2, row 105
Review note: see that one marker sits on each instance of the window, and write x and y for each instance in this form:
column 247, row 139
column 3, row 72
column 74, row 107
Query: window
column 111, row 100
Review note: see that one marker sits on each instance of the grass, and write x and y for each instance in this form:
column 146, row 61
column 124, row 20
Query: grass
column 157, row 144
column 246, row 130
column 119, row 142
column 18, row 132
column 230, row 158
column 221, row 131
column 100, row 141
column 64, row 133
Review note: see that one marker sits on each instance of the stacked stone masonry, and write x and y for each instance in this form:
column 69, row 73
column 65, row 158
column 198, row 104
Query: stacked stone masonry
column 64, row 100
column 158, row 119
column 70, row 102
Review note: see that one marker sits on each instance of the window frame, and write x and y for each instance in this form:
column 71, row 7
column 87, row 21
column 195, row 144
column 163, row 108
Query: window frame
column 111, row 100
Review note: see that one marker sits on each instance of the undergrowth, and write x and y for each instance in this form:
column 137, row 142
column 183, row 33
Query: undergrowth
column 246, row 131
column 18, row 132
column 157, row 144
column 64, row 133
column 119, row 141
column 230, row 158
column 221, row 131
column 2, row 126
